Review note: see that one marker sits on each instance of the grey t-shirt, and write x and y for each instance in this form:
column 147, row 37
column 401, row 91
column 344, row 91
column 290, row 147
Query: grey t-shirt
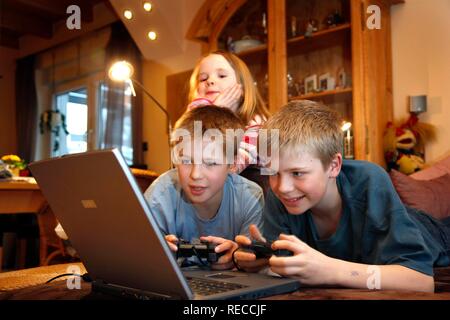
column 242, row 204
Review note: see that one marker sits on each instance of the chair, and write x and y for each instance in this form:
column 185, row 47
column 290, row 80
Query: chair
column 144, row 178
column 50, row 245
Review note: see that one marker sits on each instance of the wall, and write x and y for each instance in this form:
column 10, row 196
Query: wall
column 8, row 100
column 421, row 65
column 103, row 16
column 155, row 73
column 154, row 79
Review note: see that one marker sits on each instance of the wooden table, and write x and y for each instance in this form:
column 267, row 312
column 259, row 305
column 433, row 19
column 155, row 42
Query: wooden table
column 20, row 196
column 23, row 195
column 29, row 284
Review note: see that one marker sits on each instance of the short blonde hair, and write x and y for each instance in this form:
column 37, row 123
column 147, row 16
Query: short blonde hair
column 212, row 117
column 309, row 126
column 252, row 103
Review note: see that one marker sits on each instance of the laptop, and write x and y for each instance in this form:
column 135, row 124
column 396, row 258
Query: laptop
column 101, row 208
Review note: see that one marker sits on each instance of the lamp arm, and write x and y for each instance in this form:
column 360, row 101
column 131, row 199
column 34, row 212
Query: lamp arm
column 169, row 124
column 140, row 85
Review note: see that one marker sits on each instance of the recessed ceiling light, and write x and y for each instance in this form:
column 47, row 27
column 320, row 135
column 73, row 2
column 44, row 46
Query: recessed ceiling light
column 128, row 14
column 152, row 35
column 147, row 6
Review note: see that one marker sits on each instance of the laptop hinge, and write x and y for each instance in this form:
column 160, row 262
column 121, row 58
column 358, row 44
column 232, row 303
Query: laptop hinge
column 101, row 286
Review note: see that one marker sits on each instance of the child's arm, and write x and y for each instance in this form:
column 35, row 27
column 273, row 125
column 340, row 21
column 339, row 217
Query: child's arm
column 223, row 245
column 248, row 147
column 314, row 268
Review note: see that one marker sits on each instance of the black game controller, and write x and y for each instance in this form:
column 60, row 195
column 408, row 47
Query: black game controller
column 201, row 250
column 264, row 250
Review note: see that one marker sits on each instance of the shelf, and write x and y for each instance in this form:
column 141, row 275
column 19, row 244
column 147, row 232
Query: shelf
column 321, row 33
column 258, row 49
column 323, row 94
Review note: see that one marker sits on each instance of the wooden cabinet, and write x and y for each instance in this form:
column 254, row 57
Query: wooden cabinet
column 282, row 58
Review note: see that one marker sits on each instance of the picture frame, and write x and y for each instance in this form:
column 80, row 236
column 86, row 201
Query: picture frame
column 326, row 82
column 311, row 84
column 323, row 81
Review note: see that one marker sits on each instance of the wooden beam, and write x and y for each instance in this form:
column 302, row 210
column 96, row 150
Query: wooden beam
column 8, row 39
column 210, row 19
column 56, row 10
column 39, row 7
column 277, row 54
column 360, row 125
column 25, row 23
column 228, row 11
column 87, row 11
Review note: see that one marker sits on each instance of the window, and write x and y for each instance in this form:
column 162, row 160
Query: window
column 73, row 108
column 111, row 126
column 120, row 118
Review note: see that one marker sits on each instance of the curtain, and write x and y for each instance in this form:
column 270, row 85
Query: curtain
column 26, row 108
column 122, row 47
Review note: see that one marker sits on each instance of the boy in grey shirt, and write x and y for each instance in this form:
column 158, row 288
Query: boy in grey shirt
column 202, row 198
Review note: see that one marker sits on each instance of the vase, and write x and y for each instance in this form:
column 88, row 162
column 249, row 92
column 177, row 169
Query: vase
column 14, row 170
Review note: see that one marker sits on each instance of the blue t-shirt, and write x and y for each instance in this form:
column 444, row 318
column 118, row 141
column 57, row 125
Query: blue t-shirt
column 242, row 204
column 375, row 227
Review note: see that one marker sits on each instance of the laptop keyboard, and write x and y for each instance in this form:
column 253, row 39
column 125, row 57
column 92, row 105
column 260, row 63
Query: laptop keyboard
column 207, row 287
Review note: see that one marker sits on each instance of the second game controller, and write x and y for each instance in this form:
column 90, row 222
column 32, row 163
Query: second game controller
column 264, row 250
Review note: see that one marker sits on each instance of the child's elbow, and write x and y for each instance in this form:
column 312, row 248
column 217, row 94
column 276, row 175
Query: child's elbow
column 425, row 284
column 430, row 284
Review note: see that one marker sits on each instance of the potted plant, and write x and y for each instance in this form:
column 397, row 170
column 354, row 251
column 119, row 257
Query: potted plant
column 14, row 164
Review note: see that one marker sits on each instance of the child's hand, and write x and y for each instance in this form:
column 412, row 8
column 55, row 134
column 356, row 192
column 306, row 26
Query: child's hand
column 172, row 241
column 230, row 98
column 245, row 260
column 309, row 265
column 222, row 245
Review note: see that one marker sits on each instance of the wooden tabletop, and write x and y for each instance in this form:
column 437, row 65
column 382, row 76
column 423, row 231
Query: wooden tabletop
column 19, row 184
column 29, row 284
column 21, row 196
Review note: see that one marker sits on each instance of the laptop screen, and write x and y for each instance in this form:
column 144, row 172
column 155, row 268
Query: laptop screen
column 100, row 206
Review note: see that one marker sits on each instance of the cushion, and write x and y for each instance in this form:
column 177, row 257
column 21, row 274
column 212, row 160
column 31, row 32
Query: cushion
column 432, row 196
column 436, row 170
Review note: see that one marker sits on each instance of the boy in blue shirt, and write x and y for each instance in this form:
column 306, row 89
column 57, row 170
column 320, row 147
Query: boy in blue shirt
column 201, row 198
column 342, row 220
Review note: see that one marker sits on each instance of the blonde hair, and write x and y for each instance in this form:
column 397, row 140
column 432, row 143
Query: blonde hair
column 252, row 102
column 309, row 126
column 213, row 117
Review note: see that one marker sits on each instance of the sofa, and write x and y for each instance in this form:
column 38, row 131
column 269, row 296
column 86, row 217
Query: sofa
column 427, row 190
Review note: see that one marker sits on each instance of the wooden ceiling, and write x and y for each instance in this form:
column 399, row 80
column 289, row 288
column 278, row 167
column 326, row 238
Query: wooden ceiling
column 37, row 17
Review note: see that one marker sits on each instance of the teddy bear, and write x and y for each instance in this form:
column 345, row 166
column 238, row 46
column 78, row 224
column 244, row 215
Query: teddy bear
column 404, row 144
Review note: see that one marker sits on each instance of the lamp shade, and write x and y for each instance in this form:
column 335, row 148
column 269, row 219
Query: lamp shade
column 121, row 71
column 418, row 104
column 346, row 126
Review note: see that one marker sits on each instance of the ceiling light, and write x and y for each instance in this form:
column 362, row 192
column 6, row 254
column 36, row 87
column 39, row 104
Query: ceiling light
column 128, row 14
column 147, row 6
column 152, row 35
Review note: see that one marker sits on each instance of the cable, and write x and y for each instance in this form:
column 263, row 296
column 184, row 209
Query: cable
column 85, row 277
column 199, row 257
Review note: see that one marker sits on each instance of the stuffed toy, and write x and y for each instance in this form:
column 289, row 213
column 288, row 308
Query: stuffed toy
column 404, row 144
